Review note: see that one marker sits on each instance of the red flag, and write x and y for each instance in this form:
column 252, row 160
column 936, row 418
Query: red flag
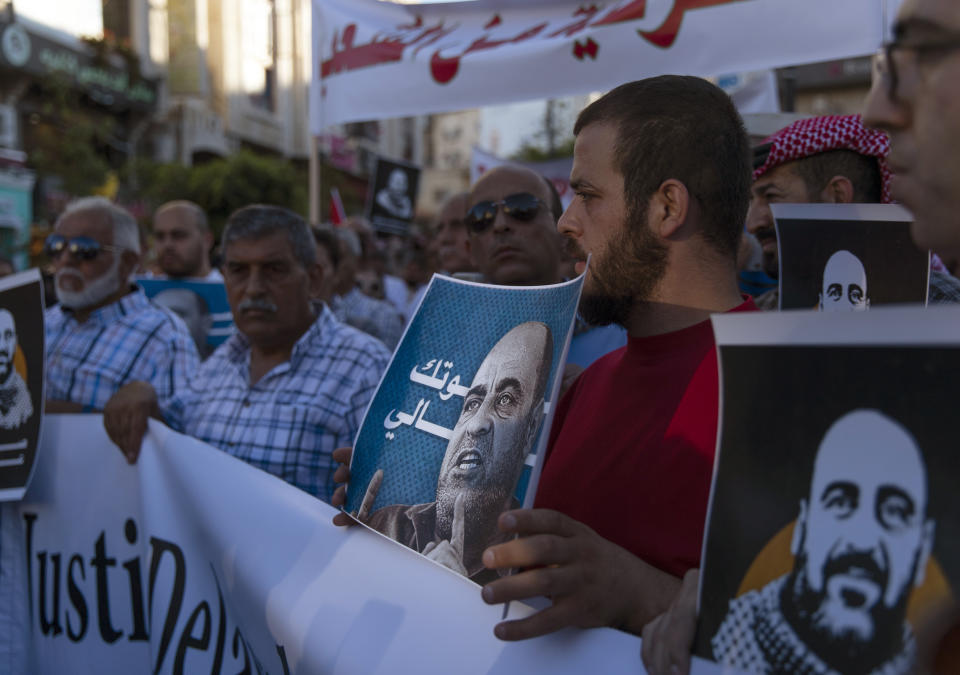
column 338, row 215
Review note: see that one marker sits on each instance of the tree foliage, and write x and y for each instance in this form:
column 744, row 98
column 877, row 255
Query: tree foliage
column 224, row 185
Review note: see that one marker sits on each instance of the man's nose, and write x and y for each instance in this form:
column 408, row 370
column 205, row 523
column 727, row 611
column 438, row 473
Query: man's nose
column 255, row 284
column 481, row 423
column 502, row 222
column 759, row 216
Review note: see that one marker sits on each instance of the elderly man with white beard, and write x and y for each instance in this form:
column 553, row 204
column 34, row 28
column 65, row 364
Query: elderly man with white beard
column 105, row 332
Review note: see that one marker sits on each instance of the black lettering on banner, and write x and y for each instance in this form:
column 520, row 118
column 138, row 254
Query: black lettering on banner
column 136, row 587
column 159, row 547
column 101, row 562
column 221, row 626
column 282, row 653
column 239, row 642
column 76, row 599
column 54, row 624
column 29, row 518
column 187, row 638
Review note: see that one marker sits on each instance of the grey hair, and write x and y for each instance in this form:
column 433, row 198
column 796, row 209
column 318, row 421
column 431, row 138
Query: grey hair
column 126, row 232
column 257, row 221
column 351, row 240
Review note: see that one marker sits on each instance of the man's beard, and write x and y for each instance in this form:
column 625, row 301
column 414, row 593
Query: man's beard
column 94, row 292
column 175, row 266
column 624, row 276
column 484, row 501
column 844, row 648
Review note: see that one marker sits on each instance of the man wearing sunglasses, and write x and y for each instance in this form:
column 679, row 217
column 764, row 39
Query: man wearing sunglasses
column 105, row 332
column 661, row 176
column 513, row 240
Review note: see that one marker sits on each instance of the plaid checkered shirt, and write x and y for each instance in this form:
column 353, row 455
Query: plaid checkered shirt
column 290, row 421
column 130, row 339
column 374, row 317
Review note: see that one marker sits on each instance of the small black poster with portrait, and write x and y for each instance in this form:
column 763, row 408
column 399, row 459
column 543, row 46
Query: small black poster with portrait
column 832, row 533
column 392, row 199
column 848, row 257
column 21, row 380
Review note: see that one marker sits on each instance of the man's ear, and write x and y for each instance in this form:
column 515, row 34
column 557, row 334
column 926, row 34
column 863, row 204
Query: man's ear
column 799, row 529
column 315, row 272
column 129, row 260
column 207, row 242
column 926, row 549
column 839, row 190
column 533, row 425
column 669, row 207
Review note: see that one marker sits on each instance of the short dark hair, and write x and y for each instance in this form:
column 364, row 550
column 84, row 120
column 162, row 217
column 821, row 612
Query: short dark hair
column 684, row 128
column 862, row 170
column 257, row 221
column 556, row 205
column 325, row 237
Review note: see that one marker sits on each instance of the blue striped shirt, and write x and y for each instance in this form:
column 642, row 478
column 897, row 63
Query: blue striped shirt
column 290, row 421
column 130, row 339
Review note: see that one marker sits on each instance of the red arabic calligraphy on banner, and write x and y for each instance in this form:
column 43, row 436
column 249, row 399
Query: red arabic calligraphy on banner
column 445, row 60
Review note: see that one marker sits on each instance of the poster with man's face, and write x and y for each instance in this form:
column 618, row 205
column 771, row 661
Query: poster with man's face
column 392, row 200
column 455, row 432
column 21, row 379
column 834, row 514
column 202, row 305
column 848, row 257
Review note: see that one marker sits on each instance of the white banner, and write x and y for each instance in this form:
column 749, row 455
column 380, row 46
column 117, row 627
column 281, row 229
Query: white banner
column 378, row 59
column 192, row 561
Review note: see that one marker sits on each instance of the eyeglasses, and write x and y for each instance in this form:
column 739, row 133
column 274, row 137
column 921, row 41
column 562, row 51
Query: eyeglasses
column 911, row 55
column 82, row 248
column 521, row 206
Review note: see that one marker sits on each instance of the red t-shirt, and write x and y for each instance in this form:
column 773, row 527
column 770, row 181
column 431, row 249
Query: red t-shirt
column 632, row 445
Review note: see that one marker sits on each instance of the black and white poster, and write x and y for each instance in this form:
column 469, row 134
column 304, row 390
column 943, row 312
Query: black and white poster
column 834, row 515
column 21, row 380
column 392, row 200
column 848, row 257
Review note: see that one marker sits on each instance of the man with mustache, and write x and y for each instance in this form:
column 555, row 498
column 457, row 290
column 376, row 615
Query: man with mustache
column 15, row 405
column 496, row 431
column 291, row 385
column 860, row 545
column 824, row 160
column 104, row 332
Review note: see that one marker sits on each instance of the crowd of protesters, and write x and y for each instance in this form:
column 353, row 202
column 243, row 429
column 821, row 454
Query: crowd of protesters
column 664, row 195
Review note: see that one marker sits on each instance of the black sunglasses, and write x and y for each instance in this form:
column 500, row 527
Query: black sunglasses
column 81, row 248
column 522, row 206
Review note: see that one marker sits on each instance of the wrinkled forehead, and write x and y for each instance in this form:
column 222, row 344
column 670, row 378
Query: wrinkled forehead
column 504, row 181
column 844, row 267
column 868, row 449
column 93, row 223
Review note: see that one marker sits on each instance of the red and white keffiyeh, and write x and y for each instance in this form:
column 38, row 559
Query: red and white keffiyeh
column 833, row 132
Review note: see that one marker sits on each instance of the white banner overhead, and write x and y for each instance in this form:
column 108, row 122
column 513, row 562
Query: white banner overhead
column 378, row 59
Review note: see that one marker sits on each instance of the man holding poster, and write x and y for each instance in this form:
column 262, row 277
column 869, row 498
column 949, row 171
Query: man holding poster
column 484, row 458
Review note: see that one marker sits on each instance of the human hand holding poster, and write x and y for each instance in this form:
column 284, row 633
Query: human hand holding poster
column 21, row 380
column 848, row 257
column 455, row 433
column 832, row 529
